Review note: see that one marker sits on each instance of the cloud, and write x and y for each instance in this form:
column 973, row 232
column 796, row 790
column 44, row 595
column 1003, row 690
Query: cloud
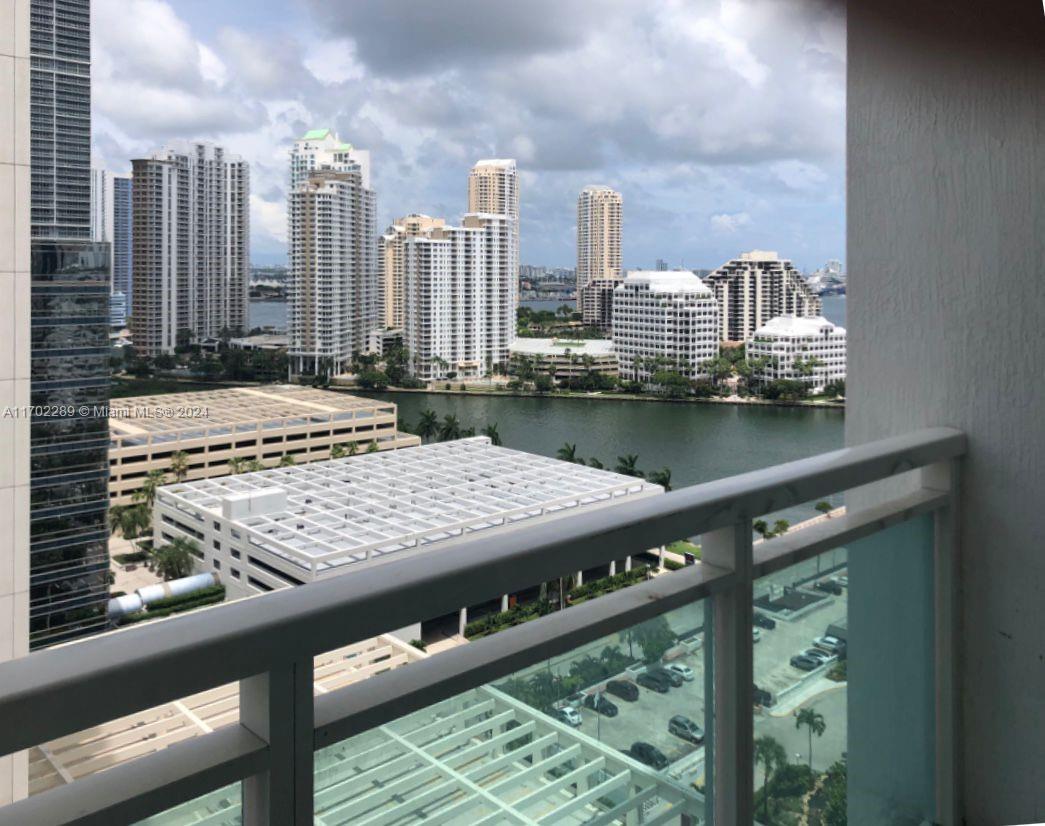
column 730, row 222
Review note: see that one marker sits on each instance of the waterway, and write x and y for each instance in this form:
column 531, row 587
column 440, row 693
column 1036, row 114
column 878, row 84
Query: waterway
column 698, row 442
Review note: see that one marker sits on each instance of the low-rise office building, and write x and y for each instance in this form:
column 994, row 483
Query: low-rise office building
column 809, row 350
column 568, row 358
column 292, row 525
column 214, row 428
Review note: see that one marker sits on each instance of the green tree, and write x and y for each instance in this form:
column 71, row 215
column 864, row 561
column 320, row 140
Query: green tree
column 238, row 464
column 780, row 527
column 814, row 721
column 670, row 384
column 654, row 637
column 833, row 795
column 254, row 465
column 352, row 449
column 179, row 465
column 372, row 447
column 490, row 432
column 428, row 426
column 543, row 383
column 337, row 452
column 567, row 453
column 286, row 460
column 824, row 507
column 761, row 527
column 135, row 522
column 372, row 379
column 661, row 477
column 595, row 463
column 626, row 465
column 174, row 561
column 450, row 428
column 146, row 494
column 771, row 755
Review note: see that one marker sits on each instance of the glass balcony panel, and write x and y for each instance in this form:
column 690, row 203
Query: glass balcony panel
column 222, row 807
column 843, row 684
column 611, row 733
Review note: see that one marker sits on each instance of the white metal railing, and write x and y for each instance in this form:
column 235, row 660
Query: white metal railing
column 267, row 644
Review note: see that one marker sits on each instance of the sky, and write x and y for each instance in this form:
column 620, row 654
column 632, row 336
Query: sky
column 722, row 122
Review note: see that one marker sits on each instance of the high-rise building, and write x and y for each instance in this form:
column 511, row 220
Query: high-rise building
column 458, row 304
column 493, row 188
column 191, row 246
column 15, row 174
column 334, row 294
column 111, row 222
column 758, row 286
column 391, row 263
column 70, row 277
column 664, row 321
column 323, row 149
column 599, row 220
column 662, row 265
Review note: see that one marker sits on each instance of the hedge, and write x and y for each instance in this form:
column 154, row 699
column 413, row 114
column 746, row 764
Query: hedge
column 128, row 559
column 176, row 605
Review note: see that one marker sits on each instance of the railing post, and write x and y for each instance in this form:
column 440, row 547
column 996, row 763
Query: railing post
column 732, row 773
column 278, row 707
column 946, row 568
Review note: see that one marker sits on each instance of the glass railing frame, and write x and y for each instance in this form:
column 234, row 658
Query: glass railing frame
column 267, row 643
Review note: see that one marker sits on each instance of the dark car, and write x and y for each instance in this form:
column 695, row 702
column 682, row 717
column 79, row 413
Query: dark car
column 598, row 703
column 762, row 621
column 670, row 676
column 682, row 726
column 805, row 663
column 653, row 682
column 623, row 689
column 762, row 697
column 648, row 754
column 829, row 586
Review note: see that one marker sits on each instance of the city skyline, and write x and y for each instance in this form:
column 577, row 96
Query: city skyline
column 703, row 177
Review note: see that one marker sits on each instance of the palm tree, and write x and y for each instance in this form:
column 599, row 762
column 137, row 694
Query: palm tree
column 568, row 452
column 179, row 465
column 115, row 518
column 287, row 460
column 627, row 465
column 254, row 465
column 146, row 494
column 490, row 432
column 174, row 561
column 133, row 522
column 824, row 507
column 595, row 463
column 372, row 447
column 770, row 754
column 450, row 428
column 237, row 464
column 337, row 452
column 814, row 721
column 428, row 426
column 780, row 527
column 761, row 527
column 661, row 477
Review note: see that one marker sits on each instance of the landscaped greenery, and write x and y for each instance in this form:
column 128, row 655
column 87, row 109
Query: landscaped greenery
column 794, row 794
column 176, row 605
column 543, row 689
column 683, row 547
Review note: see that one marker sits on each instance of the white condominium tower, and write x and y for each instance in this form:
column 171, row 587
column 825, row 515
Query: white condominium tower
column 391, row 263
column 458, row 312
column 191, row 245
column 493, row 189
column 334, row 289
column 664, row 321
column 756, row 287
column 599, row 217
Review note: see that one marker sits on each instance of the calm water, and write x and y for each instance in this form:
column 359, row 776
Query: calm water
column 274, row 313
column 699, row 442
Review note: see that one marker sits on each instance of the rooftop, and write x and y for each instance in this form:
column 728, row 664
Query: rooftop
column 357, row 509
column 501, row 162
column 668, row 281
column 175, row 415
column 789, row 325
column 553, row 346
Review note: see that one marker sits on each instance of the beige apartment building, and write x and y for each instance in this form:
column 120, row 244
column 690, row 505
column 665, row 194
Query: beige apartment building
column 599, row 221
column 493, row 189
column 263, row 423
column 391, row 265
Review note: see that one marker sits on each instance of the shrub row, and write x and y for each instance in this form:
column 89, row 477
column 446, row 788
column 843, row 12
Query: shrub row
column 176, row 605
column 127, row 559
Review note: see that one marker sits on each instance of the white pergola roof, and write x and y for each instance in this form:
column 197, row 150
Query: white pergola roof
column 479, row 759
column 359, row 508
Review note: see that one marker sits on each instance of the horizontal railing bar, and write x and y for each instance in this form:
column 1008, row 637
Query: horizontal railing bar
column 131, row 791
column 790, row 549
column 42, row 695
column 391, row 694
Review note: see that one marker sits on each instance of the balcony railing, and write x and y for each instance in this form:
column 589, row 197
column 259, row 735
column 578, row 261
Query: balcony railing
column 267, row 645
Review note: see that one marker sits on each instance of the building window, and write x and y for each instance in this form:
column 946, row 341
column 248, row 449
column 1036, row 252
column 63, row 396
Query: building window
column 217, row 564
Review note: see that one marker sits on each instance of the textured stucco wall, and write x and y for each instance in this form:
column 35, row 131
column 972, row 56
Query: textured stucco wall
column 946, row 306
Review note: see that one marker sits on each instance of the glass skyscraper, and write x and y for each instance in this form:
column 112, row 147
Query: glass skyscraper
column 70, row 347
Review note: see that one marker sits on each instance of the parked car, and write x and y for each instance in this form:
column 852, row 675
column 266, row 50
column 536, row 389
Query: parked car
column 666, row 674
column 804, row 663
column 682, row 726
column 762, row 697
column 684, row 671
column 568, row 715
column 599, row 704
column 624, row 689
column 756, row 635
column 829, row 586
column 575, row 699
column 817, row 654
column 648, row 754
column 762, row 621
column 843, row 580
column 830, row 644
column 653, row 682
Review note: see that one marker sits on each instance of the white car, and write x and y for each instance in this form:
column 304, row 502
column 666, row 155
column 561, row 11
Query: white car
column 832, row 645
column 569, row 715
column 684, row 671
column 756, row 635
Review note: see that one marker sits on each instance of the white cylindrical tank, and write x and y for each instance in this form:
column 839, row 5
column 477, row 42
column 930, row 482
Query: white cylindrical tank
column 177, row 587
column 126, row 604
